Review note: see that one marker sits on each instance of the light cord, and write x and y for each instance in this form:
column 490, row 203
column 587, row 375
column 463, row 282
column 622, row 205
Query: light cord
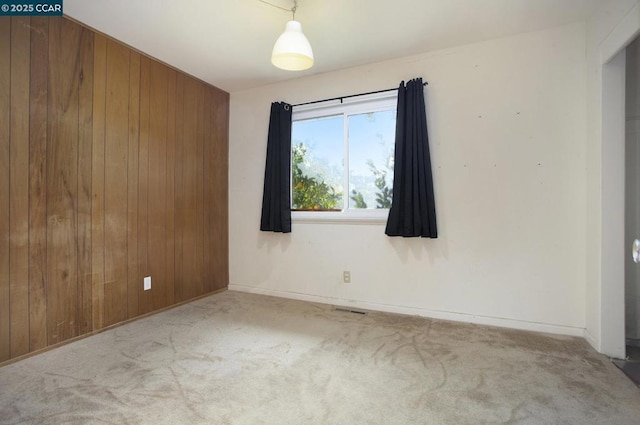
column 292, row 10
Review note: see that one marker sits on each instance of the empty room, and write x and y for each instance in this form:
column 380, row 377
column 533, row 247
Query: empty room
column 320, row 212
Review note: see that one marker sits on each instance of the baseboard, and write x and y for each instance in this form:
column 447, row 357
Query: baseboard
column 433, row 314
column 592, row 340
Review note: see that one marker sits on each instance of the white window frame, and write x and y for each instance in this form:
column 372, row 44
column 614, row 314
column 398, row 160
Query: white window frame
column 354, row 105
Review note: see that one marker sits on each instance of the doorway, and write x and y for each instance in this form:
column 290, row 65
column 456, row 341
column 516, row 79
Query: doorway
column 632, row 204
column 610, row 333
column 631, row 364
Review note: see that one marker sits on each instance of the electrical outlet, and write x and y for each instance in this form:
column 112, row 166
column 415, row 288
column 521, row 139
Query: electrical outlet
column 346, row 276
column 147, row 283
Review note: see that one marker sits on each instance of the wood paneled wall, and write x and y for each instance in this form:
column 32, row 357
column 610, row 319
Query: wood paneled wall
column 113, row 167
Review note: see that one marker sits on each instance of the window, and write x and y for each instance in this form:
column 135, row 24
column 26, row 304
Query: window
column 342, row 158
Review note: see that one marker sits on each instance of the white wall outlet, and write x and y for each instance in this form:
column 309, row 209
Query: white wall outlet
column 147, row 283
column 346, row 276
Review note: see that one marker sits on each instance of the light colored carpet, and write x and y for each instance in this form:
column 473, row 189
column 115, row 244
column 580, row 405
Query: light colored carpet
column 237, row 358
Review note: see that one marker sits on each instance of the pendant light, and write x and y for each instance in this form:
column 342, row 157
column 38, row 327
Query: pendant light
column 292, row 51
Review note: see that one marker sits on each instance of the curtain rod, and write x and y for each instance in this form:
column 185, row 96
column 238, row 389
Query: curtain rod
column 347, row 97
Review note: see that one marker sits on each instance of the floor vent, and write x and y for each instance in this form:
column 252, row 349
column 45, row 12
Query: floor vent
column 349, row 310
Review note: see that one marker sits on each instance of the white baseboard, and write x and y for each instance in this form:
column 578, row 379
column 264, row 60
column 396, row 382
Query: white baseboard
column 592, row 340
column 433, row 314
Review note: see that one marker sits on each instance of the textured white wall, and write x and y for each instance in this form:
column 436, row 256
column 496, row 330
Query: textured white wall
column 507, row 124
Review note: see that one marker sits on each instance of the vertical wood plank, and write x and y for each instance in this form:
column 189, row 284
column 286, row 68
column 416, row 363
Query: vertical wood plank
column 199, row 190
column 132, row 185
column 62, row 180
column 179, row 198
column 157, row 257
column 97, row 180
column 219, row 257
column 5, row 129
column 143, row 179
column 209, row 188
column 19, row 186
column 169, row 184
column 190, row 189
column 216, row 197
column 186, row 197
column 85, row 154
column 37, row 183
column 115, row 174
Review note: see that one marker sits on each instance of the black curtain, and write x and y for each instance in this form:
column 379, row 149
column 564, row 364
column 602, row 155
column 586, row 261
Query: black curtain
column 276, row 197
column 413, row 208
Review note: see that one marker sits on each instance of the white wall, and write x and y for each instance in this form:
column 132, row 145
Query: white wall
column 608, row 30
column 507, row 123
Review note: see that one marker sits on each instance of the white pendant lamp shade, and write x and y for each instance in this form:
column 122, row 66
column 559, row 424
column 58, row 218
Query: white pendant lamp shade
column 292, row 51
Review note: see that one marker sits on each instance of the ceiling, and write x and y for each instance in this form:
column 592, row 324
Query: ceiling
column 228, row 42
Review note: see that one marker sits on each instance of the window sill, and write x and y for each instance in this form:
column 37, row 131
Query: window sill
column 340, row 217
